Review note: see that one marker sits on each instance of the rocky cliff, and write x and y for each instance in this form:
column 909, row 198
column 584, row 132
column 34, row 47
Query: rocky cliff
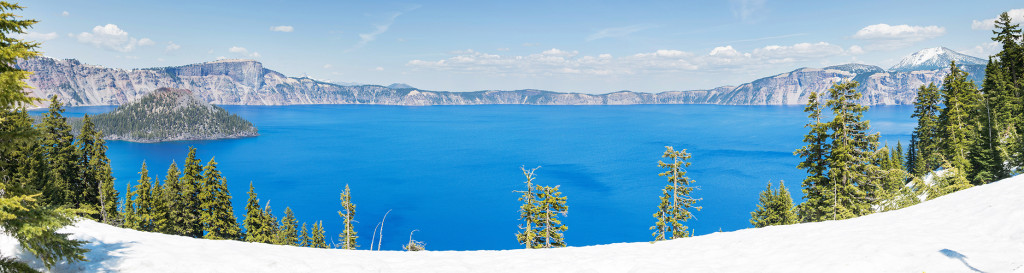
column 247, row 82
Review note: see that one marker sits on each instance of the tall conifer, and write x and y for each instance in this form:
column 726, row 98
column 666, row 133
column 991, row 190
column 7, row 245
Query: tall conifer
column 816, row 184
column 218, row 218
column 850, row 154
column 775, row 207
column 675, row 198
column 191, row 185
column 348, row 236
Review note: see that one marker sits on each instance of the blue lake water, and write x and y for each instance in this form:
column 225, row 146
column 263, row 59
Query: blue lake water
column 450, row 171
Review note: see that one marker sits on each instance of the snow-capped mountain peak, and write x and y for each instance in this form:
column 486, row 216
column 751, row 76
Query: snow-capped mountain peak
column 935, row 58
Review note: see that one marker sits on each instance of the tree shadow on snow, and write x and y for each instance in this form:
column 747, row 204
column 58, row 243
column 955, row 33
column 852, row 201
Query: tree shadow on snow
column 956, row 255
column 99, row 258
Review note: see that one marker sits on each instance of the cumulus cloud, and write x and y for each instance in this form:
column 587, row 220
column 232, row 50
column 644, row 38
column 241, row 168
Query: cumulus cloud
column 884, row 36
column 616, row 32
column 111, row 37
column 171, row 46
column 36, row 36
column 282, row 28
column 1016, row 16
column 557, row 61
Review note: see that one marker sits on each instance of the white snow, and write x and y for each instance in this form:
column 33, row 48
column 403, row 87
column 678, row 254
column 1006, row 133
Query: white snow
column 980, row 229
column 935, row 57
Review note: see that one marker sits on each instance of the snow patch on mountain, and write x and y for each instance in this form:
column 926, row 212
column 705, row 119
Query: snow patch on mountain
column 935, row 58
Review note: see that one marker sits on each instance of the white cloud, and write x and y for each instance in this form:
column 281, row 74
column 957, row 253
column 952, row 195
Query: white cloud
column 282, row 28
column 557, row 61
column 36, row 36
column 616, row 32
column 379, row 68
column 984, row 49
column 238, row 49
column 747, row 10
column 1016, row 16
column 65, row 13
column 856, row 50
column 328, row 66
column 110, row 36
column 243, row 51
column 884, row 36
column 171, row 46
column 366, row 38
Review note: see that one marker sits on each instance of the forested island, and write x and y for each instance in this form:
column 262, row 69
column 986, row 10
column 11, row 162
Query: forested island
column 168, row 115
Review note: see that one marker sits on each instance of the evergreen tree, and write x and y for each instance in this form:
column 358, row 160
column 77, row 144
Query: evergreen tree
column 288, row 234
column 304, row 240
column 348, row 236
column 675, row 198
column 951, row 181
column 414, row 245
column 926, row 135
column 528, row 211
column 141, row 201
column 253, row 222
column 191, row 185
column 549, row 229
column 911, row 156
column 160, row 209
column 88, row 176
column 775, row 208
column 173, row 201
column 316, row 237
column 816, row 184
column 850, row 155
column 267, row 233
column 956, row 121
column 61, row 158
column 218, row 218
column 23, row 215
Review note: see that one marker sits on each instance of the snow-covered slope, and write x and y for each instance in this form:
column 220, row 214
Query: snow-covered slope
column 935, row 58
column 976, row 230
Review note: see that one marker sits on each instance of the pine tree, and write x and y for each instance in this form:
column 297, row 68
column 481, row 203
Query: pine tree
column 816, row 184
column 160, row 209
column 348, row 236
column 288, row 234
column 850, row 155
column 775, row 208
column 675, row 198
column 926, row 135
column 88, row 175
column 191, row 185
column 174, row 201
column 268, row 226
column 61, row 157
column 142, row 202
column 23, row 215
column 549, row 229
column 304, row 240
column 951, row 181
column 911, row 156
column 956, row 121
column 528, row 212
column 414, row 245
column 1008, row 91
column 253, row 222
column 317, row 239
column 218, row 218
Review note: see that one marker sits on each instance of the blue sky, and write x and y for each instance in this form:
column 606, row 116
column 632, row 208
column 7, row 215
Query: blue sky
column 573, row 46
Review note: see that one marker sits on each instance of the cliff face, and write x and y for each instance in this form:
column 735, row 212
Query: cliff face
column 247, row 82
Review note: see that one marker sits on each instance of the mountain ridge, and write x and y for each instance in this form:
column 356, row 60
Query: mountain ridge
column 248, row 82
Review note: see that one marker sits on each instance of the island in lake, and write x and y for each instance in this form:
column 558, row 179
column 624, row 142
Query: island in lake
column 169, row 114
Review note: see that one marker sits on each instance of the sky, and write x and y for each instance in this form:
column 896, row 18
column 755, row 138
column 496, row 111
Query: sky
column 568, row 46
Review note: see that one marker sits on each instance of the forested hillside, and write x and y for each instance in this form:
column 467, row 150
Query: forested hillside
column 167, row 115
